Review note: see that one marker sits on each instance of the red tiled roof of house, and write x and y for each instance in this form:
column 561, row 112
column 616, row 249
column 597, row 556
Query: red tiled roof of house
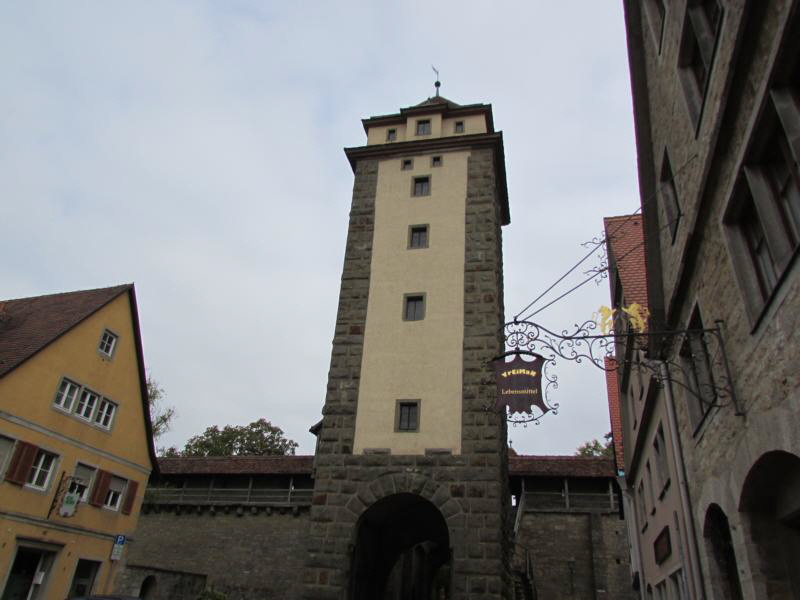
column 236, row 465
column 614, row 411
column 560, row 466
column 29, row 324
column 625, row 235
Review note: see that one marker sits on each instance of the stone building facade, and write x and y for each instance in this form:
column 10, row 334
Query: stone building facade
column 715, row 89
column 417, row 326
column 239, row 527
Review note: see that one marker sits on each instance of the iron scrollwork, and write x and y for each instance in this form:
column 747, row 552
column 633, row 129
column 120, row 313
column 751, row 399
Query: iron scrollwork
column 699, row 367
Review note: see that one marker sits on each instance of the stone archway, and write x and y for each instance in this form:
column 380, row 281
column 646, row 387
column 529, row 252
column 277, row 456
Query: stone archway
column 719, row 545
column 401, row 552
column 770, row 506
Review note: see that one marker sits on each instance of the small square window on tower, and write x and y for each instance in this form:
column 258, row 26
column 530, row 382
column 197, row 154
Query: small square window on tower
column 436, row 161
column 414, row 307
column 407, row 417
column 108, row 343
column 391, row 135
column 459, row 127
column 418, row 236
column 424, row 127
column 422, row 186
column 406, row 164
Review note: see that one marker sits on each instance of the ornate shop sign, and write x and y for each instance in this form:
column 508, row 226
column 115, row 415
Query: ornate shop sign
column 519, row 384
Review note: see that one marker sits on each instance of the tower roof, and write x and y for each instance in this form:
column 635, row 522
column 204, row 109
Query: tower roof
column 448, row 108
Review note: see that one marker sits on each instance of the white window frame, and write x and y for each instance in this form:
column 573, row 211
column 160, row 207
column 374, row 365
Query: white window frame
column 83, row 485
column 108, row 343
column 81, row 412
column 113, row 498
column 67, row 389
column 105, row 410
column 44, row 462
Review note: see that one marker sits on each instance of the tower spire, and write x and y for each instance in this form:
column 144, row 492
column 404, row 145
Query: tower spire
column 437, row 84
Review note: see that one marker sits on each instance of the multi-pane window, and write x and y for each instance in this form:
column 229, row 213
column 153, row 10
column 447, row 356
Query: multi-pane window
column 418, row 236
column 660, row 451
column 81, row 481
column 408, row 415
column 41, row 469
column 422, row 186
column 108, row 343
column 641, row 503
column 391, row 135
column 105, row 413
column 86, row 404
column 656, row 14
column 407, row 164
column 6, row 449
column 697, row 369
column 458, row 127
column 116, row 488
column 414, row 308
column 651, row 487
column 669, row 197
column 700, row 30
column 424, row 127
column 763, row 218
column 66, row 395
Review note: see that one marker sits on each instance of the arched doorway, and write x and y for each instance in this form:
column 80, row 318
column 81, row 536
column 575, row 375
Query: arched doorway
column 722, row 558
column 770, row 504
column 402, row 551
column 148, row 589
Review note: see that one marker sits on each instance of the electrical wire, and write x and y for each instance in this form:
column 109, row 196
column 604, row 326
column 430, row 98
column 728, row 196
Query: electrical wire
column 609, row 236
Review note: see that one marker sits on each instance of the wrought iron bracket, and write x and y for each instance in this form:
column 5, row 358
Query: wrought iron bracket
column 699, row 365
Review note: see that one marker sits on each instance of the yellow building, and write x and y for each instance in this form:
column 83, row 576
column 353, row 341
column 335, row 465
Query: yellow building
column 75, row 440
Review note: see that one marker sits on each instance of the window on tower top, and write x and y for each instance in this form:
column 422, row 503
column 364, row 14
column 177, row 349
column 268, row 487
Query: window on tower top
column 422, row 186
column 436, row 161
column 459, row 127
column 391, row 135
column 424, row 127
column 418, row 236
column 407, row 418
column 407, row 164
column 414, row 307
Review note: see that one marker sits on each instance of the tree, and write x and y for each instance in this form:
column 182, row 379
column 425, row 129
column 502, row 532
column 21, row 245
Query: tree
column 160, row 416
column 259, row 438
column 597, row 448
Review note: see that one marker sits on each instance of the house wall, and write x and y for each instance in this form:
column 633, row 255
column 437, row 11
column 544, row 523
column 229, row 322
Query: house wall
column 29, row 516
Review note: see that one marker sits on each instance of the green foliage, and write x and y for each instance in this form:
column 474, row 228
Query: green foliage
column 160, row 416
column 597, row 448
column 256, row 439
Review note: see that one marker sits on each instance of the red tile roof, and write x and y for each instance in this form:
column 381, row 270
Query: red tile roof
column 560, row 466
column 236, row 465
column 625, row 235
column 614, row 412
column 29, row 324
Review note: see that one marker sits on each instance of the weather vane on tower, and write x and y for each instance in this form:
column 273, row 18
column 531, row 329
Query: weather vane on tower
column 438, row 83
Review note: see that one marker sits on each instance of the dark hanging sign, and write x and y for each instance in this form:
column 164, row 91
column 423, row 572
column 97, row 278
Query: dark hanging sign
column 519, row 384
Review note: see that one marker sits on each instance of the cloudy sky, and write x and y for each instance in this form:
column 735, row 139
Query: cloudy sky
column 195, row 148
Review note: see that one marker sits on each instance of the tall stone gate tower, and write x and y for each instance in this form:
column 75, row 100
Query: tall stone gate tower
column 410, row 497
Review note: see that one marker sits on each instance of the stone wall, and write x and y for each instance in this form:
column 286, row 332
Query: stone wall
column 235, row 552
column 575, row 555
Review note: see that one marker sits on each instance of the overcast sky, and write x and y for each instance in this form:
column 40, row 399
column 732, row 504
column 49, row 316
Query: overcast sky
column 195, row 149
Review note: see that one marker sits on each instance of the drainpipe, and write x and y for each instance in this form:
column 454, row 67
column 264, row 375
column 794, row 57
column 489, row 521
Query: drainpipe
column 695, row 573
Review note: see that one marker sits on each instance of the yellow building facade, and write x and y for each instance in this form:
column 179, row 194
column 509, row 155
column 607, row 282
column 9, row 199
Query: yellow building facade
column 75, row 441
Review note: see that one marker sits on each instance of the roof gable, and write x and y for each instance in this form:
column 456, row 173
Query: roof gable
column 27, row 325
